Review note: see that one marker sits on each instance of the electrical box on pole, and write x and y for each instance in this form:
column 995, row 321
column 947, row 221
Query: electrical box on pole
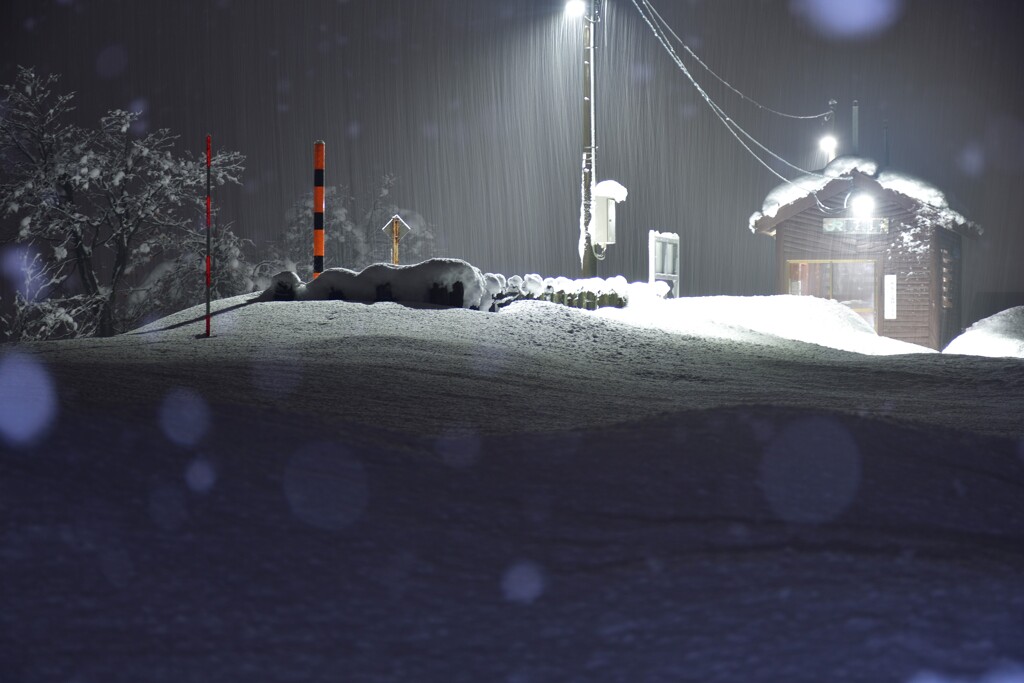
column 607, row 194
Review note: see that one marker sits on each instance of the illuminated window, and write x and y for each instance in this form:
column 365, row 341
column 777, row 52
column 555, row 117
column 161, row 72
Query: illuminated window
column 851, row 283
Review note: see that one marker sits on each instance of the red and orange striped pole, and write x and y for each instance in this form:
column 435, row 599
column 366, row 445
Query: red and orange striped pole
column 209, row 261
column 318, row 208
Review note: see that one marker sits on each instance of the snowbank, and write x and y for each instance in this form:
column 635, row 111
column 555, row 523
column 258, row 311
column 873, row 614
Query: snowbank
column 452, row 282
column 455, row 283
column 760, row 318
column 1000, row 335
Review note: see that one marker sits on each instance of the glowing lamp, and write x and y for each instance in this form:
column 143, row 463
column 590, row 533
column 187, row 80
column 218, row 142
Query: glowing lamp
column 828, row 145
column 575, row 8
column 863, row 206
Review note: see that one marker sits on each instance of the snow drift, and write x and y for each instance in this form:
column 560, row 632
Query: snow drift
column 765, row 319
column 1000, row 335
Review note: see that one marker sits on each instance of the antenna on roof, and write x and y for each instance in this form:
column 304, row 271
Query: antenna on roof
column 856, row 128
column 885, row 141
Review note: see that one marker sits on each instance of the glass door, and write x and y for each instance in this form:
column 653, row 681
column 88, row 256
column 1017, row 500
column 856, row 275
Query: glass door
column 851, row 283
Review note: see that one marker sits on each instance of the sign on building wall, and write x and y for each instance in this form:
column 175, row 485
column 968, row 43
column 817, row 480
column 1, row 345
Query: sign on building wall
column 889, row 310
column 856, row 226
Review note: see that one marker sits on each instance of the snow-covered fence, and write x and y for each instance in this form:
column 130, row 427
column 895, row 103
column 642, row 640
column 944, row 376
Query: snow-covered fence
column 589, row 293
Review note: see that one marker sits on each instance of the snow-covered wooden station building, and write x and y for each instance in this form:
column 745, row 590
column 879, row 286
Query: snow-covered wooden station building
column 883, row 243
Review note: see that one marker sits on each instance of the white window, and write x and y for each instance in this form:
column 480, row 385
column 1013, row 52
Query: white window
column 663, row 259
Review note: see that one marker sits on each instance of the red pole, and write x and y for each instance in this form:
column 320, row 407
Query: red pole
column 209, row 278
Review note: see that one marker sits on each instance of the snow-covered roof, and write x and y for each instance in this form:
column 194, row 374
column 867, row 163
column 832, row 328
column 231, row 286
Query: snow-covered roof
column 804, row 186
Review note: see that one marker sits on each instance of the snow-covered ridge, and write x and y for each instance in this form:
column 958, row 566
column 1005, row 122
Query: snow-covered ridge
column 458, row 284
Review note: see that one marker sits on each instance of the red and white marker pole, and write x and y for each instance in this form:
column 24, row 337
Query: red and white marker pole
column 209, row 263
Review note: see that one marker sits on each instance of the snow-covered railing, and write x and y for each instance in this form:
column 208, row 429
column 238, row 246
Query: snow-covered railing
column 589, row 293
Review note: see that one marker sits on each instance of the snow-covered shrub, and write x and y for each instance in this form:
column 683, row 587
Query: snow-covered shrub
column 533, row 285
column 448, row 282
column 452, row 282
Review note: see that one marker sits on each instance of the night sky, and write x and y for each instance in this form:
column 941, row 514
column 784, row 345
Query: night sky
column 475, row 105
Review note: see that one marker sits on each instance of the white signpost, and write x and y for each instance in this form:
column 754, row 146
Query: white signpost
column 663, row 259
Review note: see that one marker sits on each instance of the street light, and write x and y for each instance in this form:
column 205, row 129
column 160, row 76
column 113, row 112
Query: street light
column 828, row 145
column 585, row 10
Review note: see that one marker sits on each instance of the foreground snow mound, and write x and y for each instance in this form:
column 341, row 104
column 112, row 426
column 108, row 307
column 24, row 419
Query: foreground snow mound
column 798, row 318
column 448, row 282
column 998, row 336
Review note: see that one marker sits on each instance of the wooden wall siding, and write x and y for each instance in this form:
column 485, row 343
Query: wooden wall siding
column 913, row 309
column 948, row 320
column 914, row 269
column 802, row 237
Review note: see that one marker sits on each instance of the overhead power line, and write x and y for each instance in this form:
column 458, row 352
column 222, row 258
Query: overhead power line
column 686, row 48
column 654, row 21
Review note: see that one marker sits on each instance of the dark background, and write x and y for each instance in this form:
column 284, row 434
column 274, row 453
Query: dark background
column 475, row 105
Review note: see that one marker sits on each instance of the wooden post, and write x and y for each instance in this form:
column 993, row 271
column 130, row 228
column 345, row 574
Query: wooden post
column 394, row 240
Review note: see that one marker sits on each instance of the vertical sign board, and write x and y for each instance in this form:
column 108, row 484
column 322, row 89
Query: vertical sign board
column 889, row 286
column 663, row 259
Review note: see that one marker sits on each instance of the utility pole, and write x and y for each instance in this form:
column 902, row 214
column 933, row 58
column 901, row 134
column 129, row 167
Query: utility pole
column 588, row 261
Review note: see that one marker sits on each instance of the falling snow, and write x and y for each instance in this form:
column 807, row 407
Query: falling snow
column 729, row 486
